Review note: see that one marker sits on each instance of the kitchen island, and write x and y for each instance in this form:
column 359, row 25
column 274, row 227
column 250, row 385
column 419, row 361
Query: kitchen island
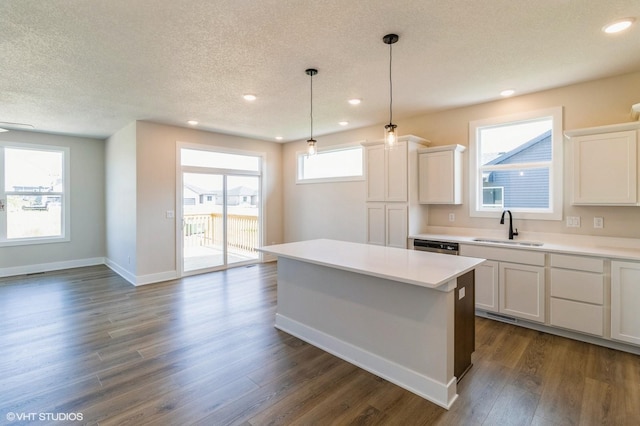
column 389, row 311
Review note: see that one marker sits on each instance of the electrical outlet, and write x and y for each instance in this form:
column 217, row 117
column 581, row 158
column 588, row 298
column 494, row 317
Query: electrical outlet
column 452, row 217
column 170, row 214
column 573, row 221
column 598, row 222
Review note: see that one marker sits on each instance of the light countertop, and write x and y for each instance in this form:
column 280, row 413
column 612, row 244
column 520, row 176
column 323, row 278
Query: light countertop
column 408, row 266
column 608, row 247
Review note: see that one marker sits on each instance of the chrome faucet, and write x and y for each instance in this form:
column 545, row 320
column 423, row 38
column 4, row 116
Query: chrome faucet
column 512, row 233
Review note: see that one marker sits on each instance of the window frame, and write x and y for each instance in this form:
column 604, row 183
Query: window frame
column 65, row 231
column 556, row 185
column 300, row 156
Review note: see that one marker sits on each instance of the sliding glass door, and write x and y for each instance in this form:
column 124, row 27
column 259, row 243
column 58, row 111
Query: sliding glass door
column 220, row 210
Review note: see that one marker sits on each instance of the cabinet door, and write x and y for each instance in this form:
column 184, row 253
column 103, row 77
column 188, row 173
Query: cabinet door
column 396, row 188
column 375, row 163
column 522, row 291
column 436, row 184
column 487, row 286
column 376, row 224
column 625, row 295
column 396, row 229
column 605, row 169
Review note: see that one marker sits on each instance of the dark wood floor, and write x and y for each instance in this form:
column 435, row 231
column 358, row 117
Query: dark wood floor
column 203, row 350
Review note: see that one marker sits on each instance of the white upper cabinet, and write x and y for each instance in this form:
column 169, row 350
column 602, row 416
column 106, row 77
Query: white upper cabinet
column 440, row 171
column 388, row 169
column 605, row 165
column 376, row 175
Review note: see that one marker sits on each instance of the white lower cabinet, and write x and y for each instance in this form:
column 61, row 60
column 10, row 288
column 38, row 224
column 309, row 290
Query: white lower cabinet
column 577, row 291
column 625, row 294
column 487, row 290
column 387, row 224
column 522, row 291
column 510, row 282
column 585, row 295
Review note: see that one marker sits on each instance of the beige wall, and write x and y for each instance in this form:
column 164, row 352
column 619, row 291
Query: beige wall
column 601, row 102
column 87, row 244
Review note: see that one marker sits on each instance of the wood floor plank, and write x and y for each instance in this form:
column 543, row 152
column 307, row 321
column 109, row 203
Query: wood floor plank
column 203, row 350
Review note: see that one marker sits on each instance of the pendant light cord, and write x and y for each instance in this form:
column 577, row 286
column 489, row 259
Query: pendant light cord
column 390, row 86
column 311, row 138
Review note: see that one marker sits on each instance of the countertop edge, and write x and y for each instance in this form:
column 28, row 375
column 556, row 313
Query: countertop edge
column 595, row 250
column 439, row 285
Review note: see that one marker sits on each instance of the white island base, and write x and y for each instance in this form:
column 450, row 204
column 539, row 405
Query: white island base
column 400, row 331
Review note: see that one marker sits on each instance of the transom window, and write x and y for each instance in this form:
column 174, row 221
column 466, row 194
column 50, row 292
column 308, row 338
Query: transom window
column 34, row 194
column 515, row 163
column 331, row 165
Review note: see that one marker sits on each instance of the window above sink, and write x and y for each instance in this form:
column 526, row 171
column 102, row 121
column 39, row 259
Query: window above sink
column 515, row 163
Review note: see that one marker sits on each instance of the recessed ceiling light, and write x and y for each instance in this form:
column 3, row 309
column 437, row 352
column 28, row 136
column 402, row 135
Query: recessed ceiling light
column 192, row 122
column 619, row 25
column 507, row 93
column 355, row 101
column 279, row 138
column 249, row 97
column 343, row 123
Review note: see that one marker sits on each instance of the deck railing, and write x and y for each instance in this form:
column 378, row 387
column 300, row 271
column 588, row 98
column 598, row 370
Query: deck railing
column 207, row 230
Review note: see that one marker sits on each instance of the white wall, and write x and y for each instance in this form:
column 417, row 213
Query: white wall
column 87, row 245
column 121, row 190
column 337, row 210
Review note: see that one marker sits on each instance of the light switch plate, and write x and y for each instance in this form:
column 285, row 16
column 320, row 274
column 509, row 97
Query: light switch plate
column 573, row 221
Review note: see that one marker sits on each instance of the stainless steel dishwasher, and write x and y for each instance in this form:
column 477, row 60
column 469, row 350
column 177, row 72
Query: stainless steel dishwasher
column 464, row 324
column 436, row 246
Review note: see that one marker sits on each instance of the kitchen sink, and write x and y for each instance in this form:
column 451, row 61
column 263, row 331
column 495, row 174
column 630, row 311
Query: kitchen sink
column 510, row 242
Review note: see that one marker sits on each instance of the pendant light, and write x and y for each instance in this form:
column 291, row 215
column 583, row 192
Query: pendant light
column 311, row 142
column 390, row 135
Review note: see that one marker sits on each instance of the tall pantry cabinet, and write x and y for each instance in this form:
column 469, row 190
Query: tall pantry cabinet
column 392, row 208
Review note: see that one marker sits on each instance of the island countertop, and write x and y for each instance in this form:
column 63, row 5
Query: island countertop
column 419, row 268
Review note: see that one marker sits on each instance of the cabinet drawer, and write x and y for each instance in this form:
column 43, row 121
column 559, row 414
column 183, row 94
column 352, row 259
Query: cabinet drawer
column 577, row 316
column 580, row 263
column 577, row 285
column 503, row 254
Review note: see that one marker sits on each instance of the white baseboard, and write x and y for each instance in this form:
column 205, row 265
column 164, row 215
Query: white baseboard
column 138, row 280
column 439, row 393
column 52, row 266
column 120, row 271
column 156, row 278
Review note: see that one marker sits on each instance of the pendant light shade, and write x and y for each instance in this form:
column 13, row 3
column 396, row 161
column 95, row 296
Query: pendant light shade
column 311, row 142
column 390, row 135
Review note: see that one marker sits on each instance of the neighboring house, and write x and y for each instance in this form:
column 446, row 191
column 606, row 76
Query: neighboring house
column 238, row 196
column 528, row 188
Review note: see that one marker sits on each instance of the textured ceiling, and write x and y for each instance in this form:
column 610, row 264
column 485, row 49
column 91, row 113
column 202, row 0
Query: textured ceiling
column 90, row 67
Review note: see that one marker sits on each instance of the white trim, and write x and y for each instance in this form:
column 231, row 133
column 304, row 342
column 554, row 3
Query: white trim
column 332, row 148
column 442, row 394
column 554, row 212
column 609, row 128
column 52, row 266
column 139, row 280
column 179, row 213
column 65, row 194
column 155, row 278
